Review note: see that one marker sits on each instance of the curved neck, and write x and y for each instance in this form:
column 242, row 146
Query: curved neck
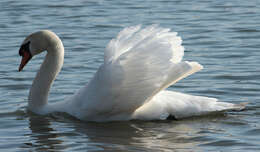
column 42, row 83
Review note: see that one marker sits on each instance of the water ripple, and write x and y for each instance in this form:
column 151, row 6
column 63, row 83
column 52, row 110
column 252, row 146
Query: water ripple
column 222, row 35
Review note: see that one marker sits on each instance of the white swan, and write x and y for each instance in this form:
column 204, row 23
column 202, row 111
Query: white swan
column 139, row 64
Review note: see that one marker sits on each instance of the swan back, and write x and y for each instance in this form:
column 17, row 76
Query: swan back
column 138, row 64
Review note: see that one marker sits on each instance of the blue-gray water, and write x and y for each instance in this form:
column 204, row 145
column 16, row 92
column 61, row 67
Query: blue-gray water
column 224, row 36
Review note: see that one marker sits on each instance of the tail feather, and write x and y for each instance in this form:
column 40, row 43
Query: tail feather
column 179, row 105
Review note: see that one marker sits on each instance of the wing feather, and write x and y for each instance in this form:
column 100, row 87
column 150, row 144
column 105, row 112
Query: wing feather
column 138, row 64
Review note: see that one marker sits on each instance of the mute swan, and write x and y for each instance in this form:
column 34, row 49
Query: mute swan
column 139, row 64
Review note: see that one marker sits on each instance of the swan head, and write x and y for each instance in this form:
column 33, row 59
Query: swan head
column 36, row 43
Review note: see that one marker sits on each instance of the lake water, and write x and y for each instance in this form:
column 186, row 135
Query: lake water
column 224, row 36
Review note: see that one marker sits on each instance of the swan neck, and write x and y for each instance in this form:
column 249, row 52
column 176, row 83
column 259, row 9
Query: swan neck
column 43, row 81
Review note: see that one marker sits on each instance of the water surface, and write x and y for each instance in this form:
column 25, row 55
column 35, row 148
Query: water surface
column 224, row 36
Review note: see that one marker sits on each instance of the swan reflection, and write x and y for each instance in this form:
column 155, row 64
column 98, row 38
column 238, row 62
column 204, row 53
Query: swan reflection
column 52, row 133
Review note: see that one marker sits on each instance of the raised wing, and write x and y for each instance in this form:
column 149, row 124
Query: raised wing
column 138, row 64
column 132, row 38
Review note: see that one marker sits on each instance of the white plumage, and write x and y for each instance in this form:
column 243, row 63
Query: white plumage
column 139, row 64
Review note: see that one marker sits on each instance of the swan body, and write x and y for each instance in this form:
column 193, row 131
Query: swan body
column 139, row 64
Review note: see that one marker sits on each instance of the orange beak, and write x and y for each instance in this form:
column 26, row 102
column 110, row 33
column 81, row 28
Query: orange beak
column 26, row 58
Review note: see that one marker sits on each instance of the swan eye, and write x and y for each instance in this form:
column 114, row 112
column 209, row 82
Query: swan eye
column 25, row 48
